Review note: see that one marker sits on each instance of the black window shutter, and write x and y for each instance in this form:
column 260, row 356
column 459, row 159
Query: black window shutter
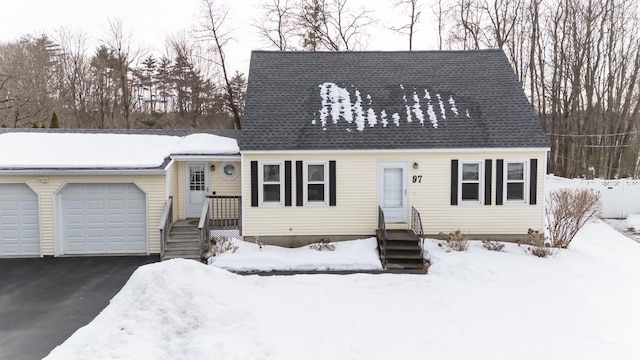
column 533, row 181
column 487, row 181
column 254, row 183
column 287, row 183
column 499, row 180
column 299, row 184
column 332, row 183
column 454, row 182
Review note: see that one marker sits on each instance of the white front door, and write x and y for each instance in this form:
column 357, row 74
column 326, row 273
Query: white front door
column 196, row 188
column 392, row 185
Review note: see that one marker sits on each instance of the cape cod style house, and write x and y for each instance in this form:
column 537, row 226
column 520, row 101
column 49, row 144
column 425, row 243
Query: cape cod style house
column 334, row 146
column 332, row 142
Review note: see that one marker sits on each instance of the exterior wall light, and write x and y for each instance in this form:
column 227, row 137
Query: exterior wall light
column 415, row 165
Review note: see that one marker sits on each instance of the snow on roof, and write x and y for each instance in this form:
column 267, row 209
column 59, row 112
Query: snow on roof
column 336, row 102
column 206, row 144
column 94, row 151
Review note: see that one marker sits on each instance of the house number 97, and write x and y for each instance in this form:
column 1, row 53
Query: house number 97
column 417, row 179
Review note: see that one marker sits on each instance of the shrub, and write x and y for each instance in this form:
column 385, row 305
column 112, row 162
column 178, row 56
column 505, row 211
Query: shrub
column 567, row 211
column 222, row 245
column 54, row 124
column 492, row 245
column 323, row 245
column 537, row 244
column 456, row 240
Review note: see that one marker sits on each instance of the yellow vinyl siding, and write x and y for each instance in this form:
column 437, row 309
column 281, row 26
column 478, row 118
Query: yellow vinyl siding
column 224, row 186
column 152, row 185
column 357, row 197
column 438, row 215
column 172, row 179
column 217, row 183
column 179, row 199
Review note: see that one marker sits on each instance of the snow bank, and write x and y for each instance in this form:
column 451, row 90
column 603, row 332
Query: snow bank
column 479, row 304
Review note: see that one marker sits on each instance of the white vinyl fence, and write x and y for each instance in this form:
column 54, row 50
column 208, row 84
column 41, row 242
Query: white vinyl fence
column 619, row 197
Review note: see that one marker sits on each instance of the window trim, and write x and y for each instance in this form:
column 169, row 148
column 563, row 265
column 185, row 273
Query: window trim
column 306, row 183
column 524, row 181
column 224, row 175
column 261, row 183
column 480, row 182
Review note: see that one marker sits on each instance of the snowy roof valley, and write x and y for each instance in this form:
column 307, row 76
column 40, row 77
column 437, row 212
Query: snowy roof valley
column 40, row 150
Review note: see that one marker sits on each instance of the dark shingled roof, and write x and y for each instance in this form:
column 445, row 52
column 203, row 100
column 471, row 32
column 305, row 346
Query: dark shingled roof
column 483, row 102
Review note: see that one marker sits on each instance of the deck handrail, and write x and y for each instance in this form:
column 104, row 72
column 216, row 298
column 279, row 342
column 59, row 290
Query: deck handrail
column 383, row 234
column 166, row 221
column 226, row 212
column 416, row 227
column 204, row 224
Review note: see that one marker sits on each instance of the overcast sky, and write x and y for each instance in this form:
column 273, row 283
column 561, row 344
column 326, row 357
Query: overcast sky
column 151, row 21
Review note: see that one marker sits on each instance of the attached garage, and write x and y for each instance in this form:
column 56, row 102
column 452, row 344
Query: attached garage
column 104, row 218
column 19, row 221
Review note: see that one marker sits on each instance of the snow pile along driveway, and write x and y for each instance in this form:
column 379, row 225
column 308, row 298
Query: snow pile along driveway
column 580, row 304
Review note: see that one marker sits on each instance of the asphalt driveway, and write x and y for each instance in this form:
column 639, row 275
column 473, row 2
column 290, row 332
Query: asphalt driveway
column 45, row 300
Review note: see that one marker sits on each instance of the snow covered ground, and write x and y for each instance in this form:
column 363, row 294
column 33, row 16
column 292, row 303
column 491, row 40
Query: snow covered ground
column 349, row 255
column 584, row 303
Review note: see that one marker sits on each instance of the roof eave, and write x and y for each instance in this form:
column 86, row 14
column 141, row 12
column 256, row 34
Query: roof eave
column 205, row 157
column 431, row 150
column 82, row 171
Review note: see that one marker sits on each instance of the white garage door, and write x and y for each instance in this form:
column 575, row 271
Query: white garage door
column 103, row 219
column 19, row 229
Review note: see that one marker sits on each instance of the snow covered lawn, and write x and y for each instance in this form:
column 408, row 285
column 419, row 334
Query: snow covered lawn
column 349, row 255
column 583, row 303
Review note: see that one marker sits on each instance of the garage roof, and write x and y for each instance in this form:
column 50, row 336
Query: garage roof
column 88, row 150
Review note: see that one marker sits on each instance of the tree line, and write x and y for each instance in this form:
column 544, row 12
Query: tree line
column 116, row 85
column 577, row 60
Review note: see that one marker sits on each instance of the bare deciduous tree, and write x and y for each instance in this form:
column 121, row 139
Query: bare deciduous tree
column 74, row 75
column 125, row 57
column 331, row 25
column 27, row 82
column 413, row 7
column 212, row 28
column 276, row 25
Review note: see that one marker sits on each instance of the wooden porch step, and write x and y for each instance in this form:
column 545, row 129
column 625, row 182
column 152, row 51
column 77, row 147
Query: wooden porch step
column 403, row 255
column 401, row 235
column 405, row 265
column 180, row 255
column 402, row 249
column 183, row 241
column 191, row 246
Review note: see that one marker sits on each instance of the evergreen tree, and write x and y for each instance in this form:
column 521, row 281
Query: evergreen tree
column 54, row 121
